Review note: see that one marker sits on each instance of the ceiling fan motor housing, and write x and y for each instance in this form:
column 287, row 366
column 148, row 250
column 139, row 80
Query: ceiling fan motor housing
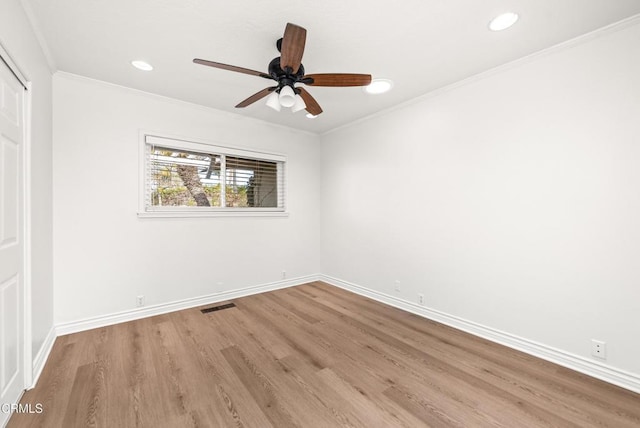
column 282, row 77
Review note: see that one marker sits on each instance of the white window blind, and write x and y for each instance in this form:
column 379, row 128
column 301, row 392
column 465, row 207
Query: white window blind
column 191, row 177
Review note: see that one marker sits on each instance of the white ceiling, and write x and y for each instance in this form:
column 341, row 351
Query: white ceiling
column 421, row 45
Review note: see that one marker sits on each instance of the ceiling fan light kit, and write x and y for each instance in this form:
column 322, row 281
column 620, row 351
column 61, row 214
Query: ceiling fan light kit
column 286, row 98
column 287, row 70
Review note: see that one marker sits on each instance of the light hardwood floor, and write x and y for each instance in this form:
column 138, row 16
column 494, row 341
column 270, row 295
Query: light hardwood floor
column 309, row 356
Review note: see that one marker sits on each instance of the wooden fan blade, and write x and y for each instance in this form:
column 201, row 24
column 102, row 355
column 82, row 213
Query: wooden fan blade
column 231, row 68
column 257, row 96
column 337, row 79
column 292, row 47
column 312, row 105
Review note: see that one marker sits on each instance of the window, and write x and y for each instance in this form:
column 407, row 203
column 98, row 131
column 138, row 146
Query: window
column 184, row 179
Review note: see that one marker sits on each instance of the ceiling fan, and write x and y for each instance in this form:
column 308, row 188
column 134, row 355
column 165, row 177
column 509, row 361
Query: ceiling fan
column 287, row 70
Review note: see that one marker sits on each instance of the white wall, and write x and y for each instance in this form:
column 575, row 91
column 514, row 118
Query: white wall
column 511, row 200
column 18, row 39
column 104, row 255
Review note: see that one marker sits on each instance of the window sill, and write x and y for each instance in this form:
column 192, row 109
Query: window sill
column 195, row 214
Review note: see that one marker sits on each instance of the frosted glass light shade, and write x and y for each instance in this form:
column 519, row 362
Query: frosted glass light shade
column 287, row 96
column 273, row 101
column 299, row 104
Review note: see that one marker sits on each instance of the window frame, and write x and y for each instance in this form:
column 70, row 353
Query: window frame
column 202, row 146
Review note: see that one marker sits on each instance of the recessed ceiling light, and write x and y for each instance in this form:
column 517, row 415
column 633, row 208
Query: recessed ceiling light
column 503, row 21
column 310, row 116
column 141, row 65
column 379, row 86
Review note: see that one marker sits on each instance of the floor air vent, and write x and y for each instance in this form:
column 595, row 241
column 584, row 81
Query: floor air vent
column 218, row 308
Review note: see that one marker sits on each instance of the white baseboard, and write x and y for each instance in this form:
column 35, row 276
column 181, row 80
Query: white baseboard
column 134, row 314
column 42, row 356
column 580, row 364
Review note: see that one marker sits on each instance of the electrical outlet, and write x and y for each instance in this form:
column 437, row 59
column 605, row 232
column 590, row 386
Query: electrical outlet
column 421, row 299
column 599, row 349
column 396, row 285
column 284, row 274
column 140, row 301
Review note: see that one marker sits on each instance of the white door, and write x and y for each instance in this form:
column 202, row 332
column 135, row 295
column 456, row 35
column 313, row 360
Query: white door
column 11, row 239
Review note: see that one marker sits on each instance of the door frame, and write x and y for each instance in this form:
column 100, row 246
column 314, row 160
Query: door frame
column 27, row 351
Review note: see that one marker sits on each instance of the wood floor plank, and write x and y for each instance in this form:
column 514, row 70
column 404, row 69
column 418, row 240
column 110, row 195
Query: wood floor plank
column 332, row 410
column 260, row 387
column 309, row 356
column 86, row 397
column 423, row 409
column 367, row 406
